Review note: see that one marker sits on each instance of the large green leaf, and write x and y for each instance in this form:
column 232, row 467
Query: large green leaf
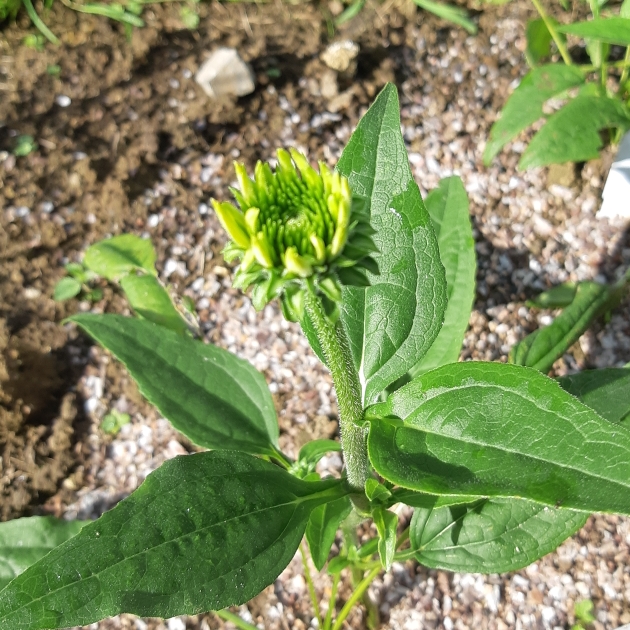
column 202, row 532
column 150, row 300
column 392, row 323
column 611, row 30
column 525, row 106
column 214, row 398
column 448, row 207
column 490, row 535
column 119, row 255
column 606, row 391
column 322, row 528
column 544, row 346
column 572, row 133
column 24, row 541
column 494, row 429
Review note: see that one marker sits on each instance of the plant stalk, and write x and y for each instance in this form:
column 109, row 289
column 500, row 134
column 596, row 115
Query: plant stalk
column 334, row 344
column 332, row 600
column 356, row 596
column 624, row 73
column 311, row 586
column 560, row 45
column 37, row 21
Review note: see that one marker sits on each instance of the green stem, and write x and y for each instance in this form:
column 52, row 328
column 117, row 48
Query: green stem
column 43, row 29
column 336, row 348
column 281, row 459
column 624, row 72
column 562, row 49
column 311, row 586
column 332, row 600
column 226, row 615
column 356, row 596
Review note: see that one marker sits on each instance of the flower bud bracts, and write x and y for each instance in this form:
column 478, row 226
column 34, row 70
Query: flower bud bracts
column 296, row 225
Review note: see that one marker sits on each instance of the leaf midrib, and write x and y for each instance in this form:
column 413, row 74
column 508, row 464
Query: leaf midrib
column 298, row 501
column 197, row 386
column 505, row 448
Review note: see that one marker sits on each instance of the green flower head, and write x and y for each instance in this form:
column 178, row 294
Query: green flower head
column 296, row 226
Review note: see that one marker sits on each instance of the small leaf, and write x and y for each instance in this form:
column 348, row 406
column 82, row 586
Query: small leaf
column 525, row 106
column 203, row 532
column 117, row 256
column 214, row 398
column 538, row 41
column 24, row 541
column 66, row 288
column 150, row 300
column 583, row 610
column 314, row 450
column 606, row 391
column 337, row 564
column 611, row 30
column 376, row 492
column 490, row 535
column 572, row 133
column 392, row 323
column 309, row 456
column 597, row 52
column 448, row 207
column 499, row 430
column 557, row 297
column 546, row 345
column 322, row 528
column 386, row 523
column 114, row 421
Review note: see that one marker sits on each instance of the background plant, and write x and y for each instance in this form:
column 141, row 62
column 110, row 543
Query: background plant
column 129, row 262
column 210, row 530
column 127, row 12
column 595, row 95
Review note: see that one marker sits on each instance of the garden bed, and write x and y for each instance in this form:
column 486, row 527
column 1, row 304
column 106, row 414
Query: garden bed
column 129, row 143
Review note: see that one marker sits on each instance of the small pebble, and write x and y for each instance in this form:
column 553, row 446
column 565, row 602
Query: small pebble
column 63, row 101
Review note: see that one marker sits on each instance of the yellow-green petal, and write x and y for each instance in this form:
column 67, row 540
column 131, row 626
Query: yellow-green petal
column 248, row 188
column 233, row 222
column 296, row 264
column 319, row 247
column 261, row 250
column 251, row 220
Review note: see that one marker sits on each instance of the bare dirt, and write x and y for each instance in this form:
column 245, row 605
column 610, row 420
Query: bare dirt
column 128, row 117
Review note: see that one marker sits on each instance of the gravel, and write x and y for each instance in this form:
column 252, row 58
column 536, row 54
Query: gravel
column 530, row 234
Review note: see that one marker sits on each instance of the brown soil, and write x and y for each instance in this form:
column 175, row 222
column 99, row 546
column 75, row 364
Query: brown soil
column 129, row 117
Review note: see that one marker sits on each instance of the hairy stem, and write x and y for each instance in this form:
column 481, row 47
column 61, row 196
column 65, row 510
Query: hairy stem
column 562, row 49
column 334, row 343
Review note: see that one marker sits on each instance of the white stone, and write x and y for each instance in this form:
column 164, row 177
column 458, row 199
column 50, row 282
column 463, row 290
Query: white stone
column 617, row 188
column 224, row 72
column 340, row 56
column 63, row 101
column 176, row 624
